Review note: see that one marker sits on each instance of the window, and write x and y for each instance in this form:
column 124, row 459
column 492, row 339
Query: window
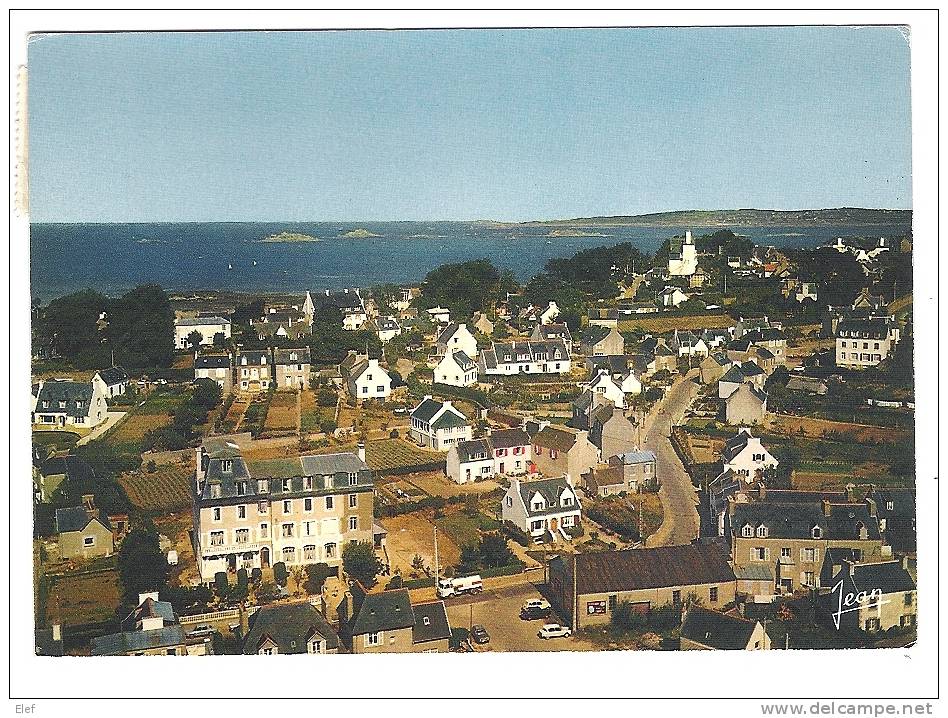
column 289, row 554
column 748, row 531
column 307, row 504
column 288, row 507
column 760, row 553
column 536, row 525
column 809, row 555
column 330, row 550
column 713, row 594
column 329, row 503
column 88, row 540
column 264, row 530
column 676, row 598
column 908, row 599
column 309, row 553
column 314, row 646
column 353, row 478
column 809, row 578
column 762, row 531
column 215, row 491
column 261, row 507
column 241, row 512
column 287, row 530
column 285, row 485
column 380, row 389
column 373, row 639
column 242, row 536
column 216, row 513
column 217, row 538
column 227, row 465
column 353, row 523
column 890, row 505
column 241, row 488
column 353, row 501
column 307, row 483
column 308, row 528
column 817, row 532
column 262, row 486
column 785, row 552
column 595, row 607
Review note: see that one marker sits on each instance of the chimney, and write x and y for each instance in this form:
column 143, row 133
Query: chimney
column 904, row 562
column 57, row 631
column 361, row 451
column 827, row 507
column 850, row 492
column 688, row 239
column 871, row 505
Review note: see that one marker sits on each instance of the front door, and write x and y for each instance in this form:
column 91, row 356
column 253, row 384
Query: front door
column 265, row 558
column 501, row 467
column 232, row 562
column 553, row 525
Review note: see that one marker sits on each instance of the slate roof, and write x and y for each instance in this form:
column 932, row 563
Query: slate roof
column 719, row 358
column 797, row 520
column 468, row 450
column 758, row 394
column 635, row 457
column 77, row 395
column 45, row 645
column 290, row 627
column 326, row 464
column 608, row 476
column 463, row 360
column 734, row 375
column 615, row 364
column 429, row 408
column 765, row 334
column 754, row 572
column 888, row 576
column 73, row 467
column 449, row 331
column 431, row 622
column 254, row 357
column 282, row 356
column 717, row 630
column 387, row 324
column 426, row 410
column 862, row 328
column 75, row 518
column 385, row 611
column 645, row 568
column 113, row 375
column 537, row 351
column 509, row 438
column 903, row 503
column 119, row 644
column 212, row 361
column 556, row 437
column 735, row 445
column 149, row 608
column 594, row 334
column 550, row 490
column 806, row 383
column 200, row 321
column 557, row 330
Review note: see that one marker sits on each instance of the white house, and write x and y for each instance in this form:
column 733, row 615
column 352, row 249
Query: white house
column 456, row 368
column 457, row 337
column 604, row 385
column 112, row 381
column 388, row 329
column 862, row 343
column 439, row 315
column 438, row 425
column 469, row 461
column 207, row 327
column 542, row 508
column 682, row 256
column 517, row 357
column 630, row 383
column 61, row 403
column 688, row 344
column 672, row 297
column 745, row 455
column 512, row 450
column 368, row 380
column 550, row 313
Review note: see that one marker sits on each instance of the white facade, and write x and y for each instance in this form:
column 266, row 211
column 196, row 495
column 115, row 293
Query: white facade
column 62, row 412
column 451, row 372
column 539, row 506
column 603, row 385
column 684, row 264
column 476, row 463
column 550, row 313
column 672, row 297
column 372, row 382
column 438, row 425
column 460, row 339
column 207, row 327
column 747, row 461
column 630, row 384
column 354, row 319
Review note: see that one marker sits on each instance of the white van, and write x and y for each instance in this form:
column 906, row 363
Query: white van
column 456, row 586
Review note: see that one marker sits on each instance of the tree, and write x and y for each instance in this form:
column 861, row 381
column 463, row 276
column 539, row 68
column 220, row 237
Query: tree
column 360, row 562
column 206, row 395
column 464, row 288
column 142, row 565
column 316, row 575
column 494, row 550
column 195, row 338
column 385, row 296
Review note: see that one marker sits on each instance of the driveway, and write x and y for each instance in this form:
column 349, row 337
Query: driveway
column 111, row 419
column 498, row 610
column 679, row 499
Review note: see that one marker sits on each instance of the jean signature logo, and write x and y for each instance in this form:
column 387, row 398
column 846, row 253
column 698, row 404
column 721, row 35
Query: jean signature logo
column 848, row 601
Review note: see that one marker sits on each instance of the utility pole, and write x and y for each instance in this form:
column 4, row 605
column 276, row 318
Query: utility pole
column 437, row 568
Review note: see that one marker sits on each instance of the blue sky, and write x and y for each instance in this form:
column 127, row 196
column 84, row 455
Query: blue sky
column 510, row 125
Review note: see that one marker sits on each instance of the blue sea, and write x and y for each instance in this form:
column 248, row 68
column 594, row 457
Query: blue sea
column 184, row 257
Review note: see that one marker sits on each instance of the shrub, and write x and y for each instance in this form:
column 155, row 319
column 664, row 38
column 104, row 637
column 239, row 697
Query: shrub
column 280, row 574
column 220, row 584
column 360, row 562
column 316, row 575
column 242, row 577
column 395, row 583
column 515, row 533
column 256, row 576
column 151, row 467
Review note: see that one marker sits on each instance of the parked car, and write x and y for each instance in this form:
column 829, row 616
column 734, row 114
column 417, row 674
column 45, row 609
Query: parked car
column 533, row 613
column 540, row 603
column 202, row 630
column 479, row 634
column 554, row 630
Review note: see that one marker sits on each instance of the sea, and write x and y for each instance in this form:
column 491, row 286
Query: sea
column 231, row 256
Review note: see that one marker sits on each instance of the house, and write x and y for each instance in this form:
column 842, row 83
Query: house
column 749, row 324
column 895, row 508
column 456, row 368
column 365, row 377
column 83, row 533
column 672, row 297
column 862, row 343
column 790, row 539
column 482, row 324
column 878, row 596
column 208, row 327
column 282, row 324
column 456, row 337
column 288, row 629
column 387, row 329
column 698, row 279
column 639, row 470
column 603, row 384
column 807, row 385
column 713, row 367
column 746, row 456
column 686, row 344
column 348, row 302
column 607, row 317
column 388, row 622
column 597, row 340
column 439, row 315
column 587, row 588
column 519, row 357
column 746, row 405
column 610, row 431
column 719, row 490
column 769, row 338
column 60, row 403
column 512, row 451
column 112, row 381
column 403, row 299
column 765, row 359
column 438, row 425
column 715, row 338
column 543, row 508
column 705, row 630
column 658, row 355
column 52, row 472
column 292, row 368
column 552, row 332
column 738, row 375
column 604, row 480
column 469, row 461
column 217, row 368
column 564, row 451
column 682, row 256
column 299, row 511
column 254, row 373
column 151, row 629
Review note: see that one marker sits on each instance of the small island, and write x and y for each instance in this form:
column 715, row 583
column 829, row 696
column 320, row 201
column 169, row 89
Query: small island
column 290, row 237
column 360, row 234
column 574, row 233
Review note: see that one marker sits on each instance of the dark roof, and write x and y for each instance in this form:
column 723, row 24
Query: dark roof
column 550, row 490
column 113, row 375
column 118, row 644
column 149, row 608
column 387, row 324
column 862, row 328
column 462, row 360
column 254, row 356
column 449, row 331
column 471, row 450
column 75, row 518
column 290, row 627
column 534, row 351
column 556, row 437
column 508, row 438
column 426, row 410
column 594, row 334
column 903, row 503
column 644, row 568
column 212, row 361
column 717, row 630
column 735, row 445
column 385, row 611
column 888, row 576
column 282, row 356
column 634, row 457
column 617, row 364
column 326, row 464
column 77, row 395
column 797, row 520
column 431, row 622
column 200, row 321
column 45, row 645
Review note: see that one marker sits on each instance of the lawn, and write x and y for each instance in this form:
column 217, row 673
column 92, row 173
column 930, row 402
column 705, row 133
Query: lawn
column 281, row 415
column 154, row 413
column 390, row 454
column 168, row 488
column 81, row 599
column 466, row 530
column 55, row 440
column 311, row 414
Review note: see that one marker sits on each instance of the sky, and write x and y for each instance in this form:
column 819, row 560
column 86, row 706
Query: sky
column 509, row 125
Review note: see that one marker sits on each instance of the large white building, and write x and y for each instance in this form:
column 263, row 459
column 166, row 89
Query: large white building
column 438, row 425
column 207, row 327
column 746, row 456
column 682, row 256
column 59, row 403
column 456, row 368
column 507, row 358
column 862, row 343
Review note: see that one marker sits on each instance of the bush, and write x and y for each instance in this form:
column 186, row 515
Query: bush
column 220, row 584
column 614, row 514
column 242, row 577
column 396, row 582
column 515, row 533
column 326, row 397
column 151, row 467
column 280, row 574
column 316, row 575
column 327, row 426
column 256, row 576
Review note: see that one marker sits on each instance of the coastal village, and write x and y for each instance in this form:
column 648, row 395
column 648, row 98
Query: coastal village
column 708, row 448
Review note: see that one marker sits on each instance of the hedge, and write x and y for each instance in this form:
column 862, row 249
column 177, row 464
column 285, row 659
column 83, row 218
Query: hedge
column 508, row 570
column 515, row 533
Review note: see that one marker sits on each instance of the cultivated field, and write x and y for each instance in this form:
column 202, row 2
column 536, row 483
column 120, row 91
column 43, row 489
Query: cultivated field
column 784, row 424
column 167, row 489
column 154, row 413
column 80, row 599
column 281, row 416
column 311, row 414
column 668, row 324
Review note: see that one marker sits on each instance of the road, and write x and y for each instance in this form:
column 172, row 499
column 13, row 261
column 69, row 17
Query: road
column 679, row 499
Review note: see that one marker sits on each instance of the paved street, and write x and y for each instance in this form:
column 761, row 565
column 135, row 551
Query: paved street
column 680, row 523
column 498, row 610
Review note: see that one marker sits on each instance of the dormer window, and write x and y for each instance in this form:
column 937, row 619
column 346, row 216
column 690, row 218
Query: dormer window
column 285, row 485
column 215, row 491
column 747, row 531
column 353, row 479
column 241, row 488
column 262, row 486
column 762, row 532
column 307, row 482
column 817, row 532
column 227, row 465
column 567, row 501
column 862, row 530
column 890, row 505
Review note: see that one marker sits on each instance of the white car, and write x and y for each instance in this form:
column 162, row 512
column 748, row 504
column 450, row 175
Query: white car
column 536, row 604
column 554, row 630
